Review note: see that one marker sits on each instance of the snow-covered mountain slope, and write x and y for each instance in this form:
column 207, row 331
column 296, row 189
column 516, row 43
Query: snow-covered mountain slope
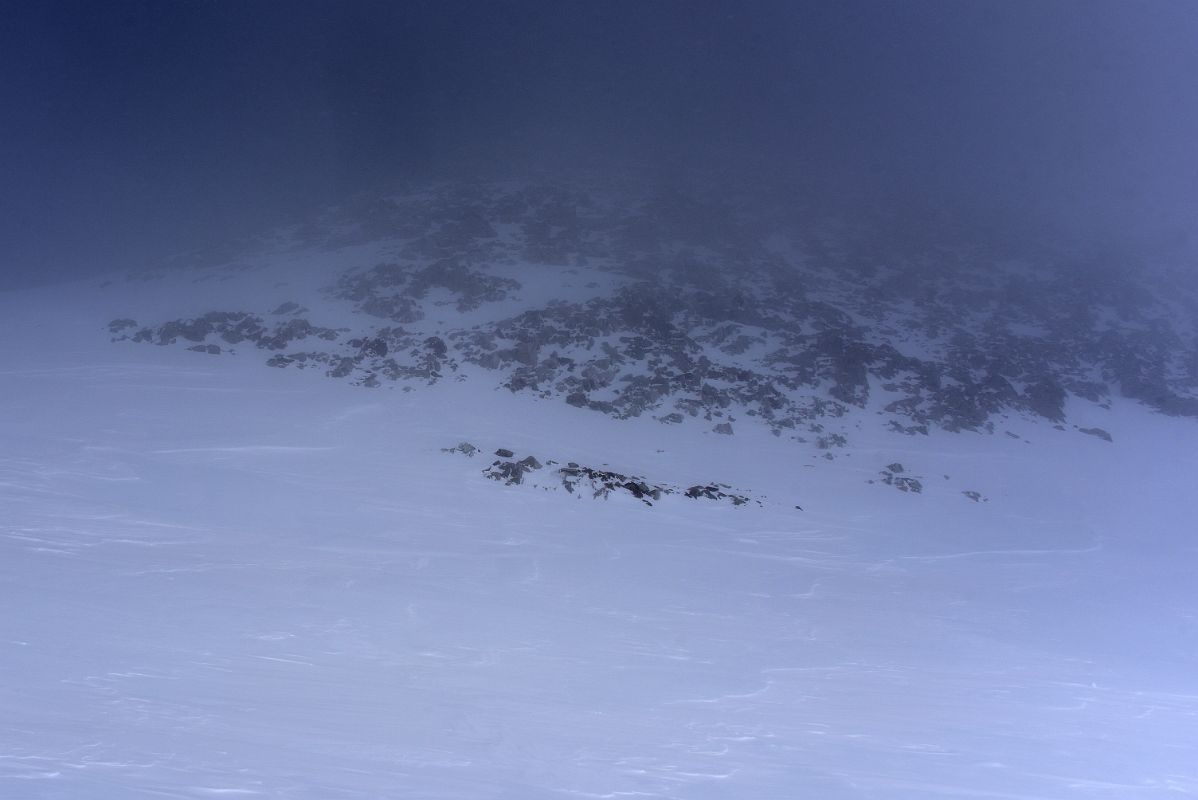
column 226, row 579
column 688, row 306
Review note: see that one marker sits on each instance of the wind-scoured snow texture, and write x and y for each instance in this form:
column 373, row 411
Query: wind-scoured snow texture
column 707, row 307
column 223, row 580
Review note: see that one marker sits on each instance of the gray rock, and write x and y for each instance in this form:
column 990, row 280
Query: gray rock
column 1099, row 432
column 508, row 472
column 120, row 325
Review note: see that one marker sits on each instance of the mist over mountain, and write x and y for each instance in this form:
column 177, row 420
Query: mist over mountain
column 700, row 299
column 138, row 130
column 557, row 400
column 583, row 486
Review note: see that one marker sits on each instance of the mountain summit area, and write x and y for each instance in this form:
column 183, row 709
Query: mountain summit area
column 602, row 487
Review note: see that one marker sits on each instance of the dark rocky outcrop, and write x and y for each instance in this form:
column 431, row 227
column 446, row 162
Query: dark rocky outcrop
column 595, row 482
column 230, row 327
column 893, row 476
column 394, row 290
column 706, row 321
column 601, row 483
column 510, row 473
column 715, row 492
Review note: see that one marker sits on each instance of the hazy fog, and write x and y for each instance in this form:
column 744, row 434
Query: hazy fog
column 133, row 130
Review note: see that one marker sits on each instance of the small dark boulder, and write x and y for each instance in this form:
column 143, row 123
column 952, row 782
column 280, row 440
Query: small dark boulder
column 1099, row 432
column 1046, row 398
column 371, row 347
column 120, row 325
column 508, row 472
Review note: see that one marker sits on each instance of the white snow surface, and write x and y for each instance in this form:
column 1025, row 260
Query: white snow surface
column 224, row 580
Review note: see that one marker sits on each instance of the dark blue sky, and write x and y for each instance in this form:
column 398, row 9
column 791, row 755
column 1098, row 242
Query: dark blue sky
column 131, row 130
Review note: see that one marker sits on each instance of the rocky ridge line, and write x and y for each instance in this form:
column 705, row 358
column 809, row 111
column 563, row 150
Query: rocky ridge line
column 709, row 322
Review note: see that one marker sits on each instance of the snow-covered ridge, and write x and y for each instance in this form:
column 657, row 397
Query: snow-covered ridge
column 693, row 307
column 225, row 579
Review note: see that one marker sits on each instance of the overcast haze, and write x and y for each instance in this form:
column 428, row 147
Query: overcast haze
column 133, row 130
column 628, row 398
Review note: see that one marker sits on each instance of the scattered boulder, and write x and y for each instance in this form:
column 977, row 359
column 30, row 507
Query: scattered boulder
column 372, row 347
column 508, row 472
column 1099, row 432
column 714, row 492
column 603, row 482
column 598, row 483
column 892, row 476
column 702, row 320
column 1046, row 397
column 232, row 327
column 511, row 473
column 118, row 326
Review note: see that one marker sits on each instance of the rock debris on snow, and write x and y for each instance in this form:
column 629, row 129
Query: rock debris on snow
column 688, row 322
column 598, row 483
